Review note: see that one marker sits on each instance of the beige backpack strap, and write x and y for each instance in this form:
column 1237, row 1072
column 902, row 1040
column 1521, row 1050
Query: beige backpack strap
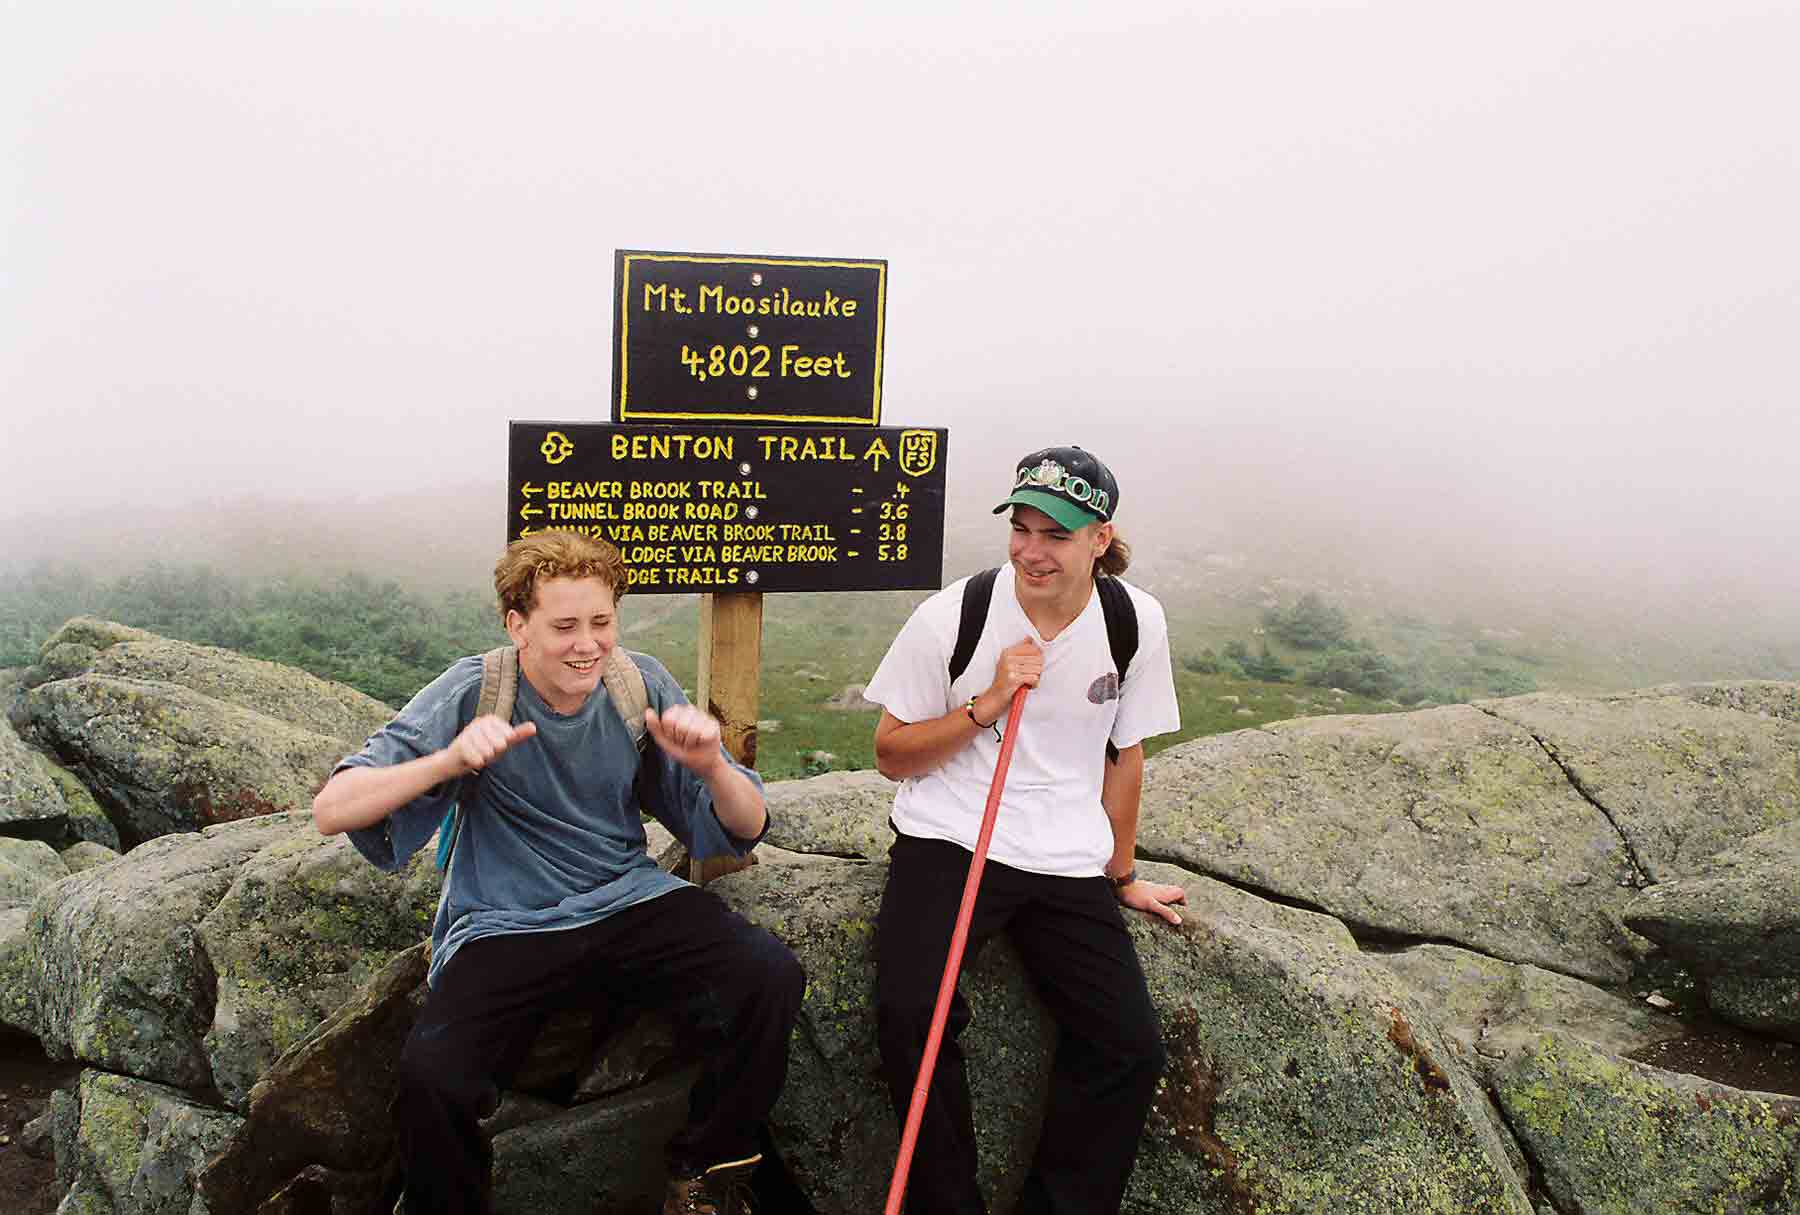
column 499, row 688
column 625, row 684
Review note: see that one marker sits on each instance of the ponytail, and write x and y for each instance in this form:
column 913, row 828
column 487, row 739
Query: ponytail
column 1116, row 558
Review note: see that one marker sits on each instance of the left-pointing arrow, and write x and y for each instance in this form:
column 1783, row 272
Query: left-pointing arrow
column 528, row 510
column 529, row 489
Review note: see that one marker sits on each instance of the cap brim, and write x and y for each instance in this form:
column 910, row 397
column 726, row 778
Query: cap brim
column 1062, row 510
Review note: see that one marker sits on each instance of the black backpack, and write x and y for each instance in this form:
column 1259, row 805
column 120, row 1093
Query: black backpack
column 1115, row 606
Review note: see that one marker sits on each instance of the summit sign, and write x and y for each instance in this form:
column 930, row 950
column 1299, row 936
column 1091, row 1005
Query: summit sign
column 744, row 339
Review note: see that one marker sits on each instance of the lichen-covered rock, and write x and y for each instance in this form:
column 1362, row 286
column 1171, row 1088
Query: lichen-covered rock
column 74, row 648
column 326, row 1100
column 173, row 737
column 838, row 814
column 1301, row 1077
column 26, row 868
column 137, row 1146
column 1492, row 1008
column 167, row 759
column 1443, row 824
column 1681, row 778
column 1762, row 697
column 121, row 979
column 305, row 923
column 1736, row 923
column 18, row 976
column 1304, row 1078
column 86, row 855
column 30, row 801
column 603, row 1158
column 269, row 689
column 1613, row 1137
column 87, row 821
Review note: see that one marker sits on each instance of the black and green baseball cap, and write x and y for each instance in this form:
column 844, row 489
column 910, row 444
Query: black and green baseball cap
column 1070, row 485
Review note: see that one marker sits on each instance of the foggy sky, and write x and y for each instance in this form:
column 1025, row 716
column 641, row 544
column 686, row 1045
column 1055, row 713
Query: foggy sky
column 1524, row 274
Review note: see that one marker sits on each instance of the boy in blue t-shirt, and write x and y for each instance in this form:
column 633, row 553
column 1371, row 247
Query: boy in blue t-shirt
column 551, row 898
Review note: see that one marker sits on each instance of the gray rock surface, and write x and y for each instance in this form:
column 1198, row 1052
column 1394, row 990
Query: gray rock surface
column 1493, row 1008
column 164, row 758
column 1613, row 1137
column 136, row 1147
column 1444, row 824
column 86, row 855
column 26, row 868
column 838, row 814
column 121, row 978
column 30, row 800
column 596, row 1159
column 1301, row 1076
column 1681, row 779
column 173, row 737
column 304, row 923
column 1737, row 924
column 18, row 974
column 326, row 1100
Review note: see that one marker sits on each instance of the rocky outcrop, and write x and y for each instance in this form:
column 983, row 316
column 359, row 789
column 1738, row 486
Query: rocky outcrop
column 122, row 981
column 1617, row 1138
column 175, row 737
column 39, row 799
column 1493, row 1008
column 26, row 867
column 132, row 1147
column 1397, row 986
column 1446, row 824
column 1736, row 924
column 1680, row 773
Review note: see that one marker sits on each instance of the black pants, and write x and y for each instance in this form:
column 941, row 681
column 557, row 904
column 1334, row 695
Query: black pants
column 731, row 984
column 1109, row 1056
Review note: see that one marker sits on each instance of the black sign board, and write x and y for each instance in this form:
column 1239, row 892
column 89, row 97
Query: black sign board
column 722, row 338
column 740, row 508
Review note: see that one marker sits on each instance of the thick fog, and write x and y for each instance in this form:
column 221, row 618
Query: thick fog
column 1503, row 293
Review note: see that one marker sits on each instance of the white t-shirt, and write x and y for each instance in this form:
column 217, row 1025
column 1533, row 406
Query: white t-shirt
column 1050, row 820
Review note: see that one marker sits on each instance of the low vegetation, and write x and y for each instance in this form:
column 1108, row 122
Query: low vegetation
column 1304, row 657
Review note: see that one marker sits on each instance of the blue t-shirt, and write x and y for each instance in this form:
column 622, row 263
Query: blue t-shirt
column 551, row 837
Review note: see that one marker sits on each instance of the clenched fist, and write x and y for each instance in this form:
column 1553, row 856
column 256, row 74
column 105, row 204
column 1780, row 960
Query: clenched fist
column 687, row 735
column 485, row 740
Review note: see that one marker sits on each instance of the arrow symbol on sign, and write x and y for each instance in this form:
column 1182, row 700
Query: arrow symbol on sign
column 528, row 510
column 528, row 489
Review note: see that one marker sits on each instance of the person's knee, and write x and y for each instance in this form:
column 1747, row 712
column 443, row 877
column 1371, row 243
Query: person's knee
column 430, row 1070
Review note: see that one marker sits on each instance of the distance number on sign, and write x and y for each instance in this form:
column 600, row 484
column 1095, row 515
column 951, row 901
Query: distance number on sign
column 762, row 362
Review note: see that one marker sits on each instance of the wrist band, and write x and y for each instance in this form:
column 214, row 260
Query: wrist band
column 979, row 725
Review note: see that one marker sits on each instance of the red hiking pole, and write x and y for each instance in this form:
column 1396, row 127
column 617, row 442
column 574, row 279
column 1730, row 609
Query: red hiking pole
column 958, row 939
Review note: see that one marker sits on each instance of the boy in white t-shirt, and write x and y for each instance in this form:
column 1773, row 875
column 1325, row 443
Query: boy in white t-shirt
column 1061, row 859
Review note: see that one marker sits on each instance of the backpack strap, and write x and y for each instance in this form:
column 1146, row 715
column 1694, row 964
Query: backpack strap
column 499, row 692
column 977, row 594
column 1121, row 632
column 625, row 685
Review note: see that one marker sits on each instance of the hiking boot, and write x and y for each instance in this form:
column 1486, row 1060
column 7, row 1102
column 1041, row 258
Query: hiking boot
column 724, row 1189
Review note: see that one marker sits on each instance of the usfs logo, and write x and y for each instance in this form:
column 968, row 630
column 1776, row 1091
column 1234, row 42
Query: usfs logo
column 918, row 452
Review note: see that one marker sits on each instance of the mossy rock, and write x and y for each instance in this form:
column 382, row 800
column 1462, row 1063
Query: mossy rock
column 121, row 980
column 1613, row 1137
column 1444, row 824
column 136, row 1147
column 304, row 924
column 1682, row 779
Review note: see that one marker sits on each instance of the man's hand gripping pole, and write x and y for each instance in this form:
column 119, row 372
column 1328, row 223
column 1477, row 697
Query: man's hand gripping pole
column 953, row 964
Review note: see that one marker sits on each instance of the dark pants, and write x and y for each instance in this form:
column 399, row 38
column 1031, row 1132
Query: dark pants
column 1069, row 933
column 729, row 983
